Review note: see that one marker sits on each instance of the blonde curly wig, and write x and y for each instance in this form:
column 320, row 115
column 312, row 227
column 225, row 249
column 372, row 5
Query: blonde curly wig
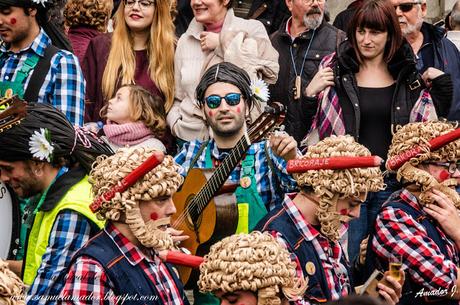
column 11, row 287
column 164, row 180
column 330, row 185
column 419, row 134
column 251, row 262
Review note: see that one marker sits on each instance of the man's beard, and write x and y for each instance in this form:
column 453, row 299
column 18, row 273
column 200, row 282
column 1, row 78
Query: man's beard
column 412, row 28
column 221, row 131
column 312, row 21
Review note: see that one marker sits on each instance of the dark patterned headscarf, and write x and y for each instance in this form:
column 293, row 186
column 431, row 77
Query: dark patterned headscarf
column 69, row 146
column 225, row 72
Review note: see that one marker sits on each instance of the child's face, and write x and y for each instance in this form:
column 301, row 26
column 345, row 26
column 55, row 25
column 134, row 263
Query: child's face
column 118, row 110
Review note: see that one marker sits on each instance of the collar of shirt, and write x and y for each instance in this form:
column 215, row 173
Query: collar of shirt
column 38, row 45
column 307, row 230
column 220, row 156
column 132, row 253
column 305, row 34
column 410, row 199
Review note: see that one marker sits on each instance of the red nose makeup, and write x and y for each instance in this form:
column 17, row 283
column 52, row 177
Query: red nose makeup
column 154, row 216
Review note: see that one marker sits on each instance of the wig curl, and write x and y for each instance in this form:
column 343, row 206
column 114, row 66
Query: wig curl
column 11, row 287
column 330, row 185
column 163, row 180
column 251, row 262
column 419, row 134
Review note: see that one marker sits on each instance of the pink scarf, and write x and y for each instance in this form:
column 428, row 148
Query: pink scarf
column 127, row 134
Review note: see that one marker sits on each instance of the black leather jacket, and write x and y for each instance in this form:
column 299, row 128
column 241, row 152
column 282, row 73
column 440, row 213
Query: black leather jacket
column 408, row 87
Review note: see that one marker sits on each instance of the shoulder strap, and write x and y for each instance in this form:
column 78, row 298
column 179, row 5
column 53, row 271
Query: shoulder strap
column 39, row 74
column 197, row 155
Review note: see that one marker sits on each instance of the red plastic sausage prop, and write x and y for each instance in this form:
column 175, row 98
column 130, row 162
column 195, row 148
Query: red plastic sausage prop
column 303, row 165
column 149, row 164
column 434, row 144
column 182, row 259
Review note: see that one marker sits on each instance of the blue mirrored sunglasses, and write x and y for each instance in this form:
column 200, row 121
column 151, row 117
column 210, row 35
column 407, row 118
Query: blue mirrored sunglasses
column 213, row 101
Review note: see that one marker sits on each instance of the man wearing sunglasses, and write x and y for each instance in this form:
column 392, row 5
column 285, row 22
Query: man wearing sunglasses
column 420, row 223
column 430, row 45
column 225, row 97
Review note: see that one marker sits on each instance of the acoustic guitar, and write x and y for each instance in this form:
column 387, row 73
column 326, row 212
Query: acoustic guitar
column 206, row 208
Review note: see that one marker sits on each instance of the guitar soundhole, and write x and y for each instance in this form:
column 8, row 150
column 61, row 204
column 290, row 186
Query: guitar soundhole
column 194, row 217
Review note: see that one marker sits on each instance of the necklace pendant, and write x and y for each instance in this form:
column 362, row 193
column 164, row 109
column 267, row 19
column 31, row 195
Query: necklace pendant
column 297, row 88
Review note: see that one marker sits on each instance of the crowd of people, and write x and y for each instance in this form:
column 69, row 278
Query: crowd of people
column 109, row 108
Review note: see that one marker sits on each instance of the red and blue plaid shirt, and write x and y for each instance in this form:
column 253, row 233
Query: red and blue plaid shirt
column 64, row 84
column 329, row 252
column 398, row 233
column 87, row 282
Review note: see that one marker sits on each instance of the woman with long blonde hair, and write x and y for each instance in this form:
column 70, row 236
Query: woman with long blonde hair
column 140, row 51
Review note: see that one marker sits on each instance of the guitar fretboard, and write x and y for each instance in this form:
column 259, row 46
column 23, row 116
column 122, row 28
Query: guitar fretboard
column 220, row 175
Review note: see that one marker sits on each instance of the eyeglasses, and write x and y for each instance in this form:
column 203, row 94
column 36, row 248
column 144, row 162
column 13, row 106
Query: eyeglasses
column 406, row 7
column 143, row 4
column 451, row 166
column 232, row 99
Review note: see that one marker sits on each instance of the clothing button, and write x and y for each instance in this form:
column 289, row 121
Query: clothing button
column 344, row 79
column 317, row 55
column 356, row 105
column 265, row 5
column 268, row 22
column 294, row 45
column 398, row 108
column 7, row 77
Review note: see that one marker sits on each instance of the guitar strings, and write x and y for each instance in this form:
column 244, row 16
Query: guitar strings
column 198, row 200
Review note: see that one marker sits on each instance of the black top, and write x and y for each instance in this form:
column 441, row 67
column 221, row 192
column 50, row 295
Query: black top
column 375, row 127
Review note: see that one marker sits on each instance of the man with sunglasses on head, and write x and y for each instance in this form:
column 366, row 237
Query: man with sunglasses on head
column 430, row 45
column 225, row 97
column 420, row 224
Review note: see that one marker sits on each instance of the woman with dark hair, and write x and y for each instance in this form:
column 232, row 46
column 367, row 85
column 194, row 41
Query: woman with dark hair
column 369, row 86
column 45, row 159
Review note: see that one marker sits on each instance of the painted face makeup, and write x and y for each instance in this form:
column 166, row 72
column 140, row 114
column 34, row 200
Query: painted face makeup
column 444, row 175
column 13, row 21
column 154, row 216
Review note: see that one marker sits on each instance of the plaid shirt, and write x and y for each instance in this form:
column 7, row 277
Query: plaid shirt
column 329, row 252
column 397, row 233
column 70, row 232
column 87, row 282
column 64, row 85
column 268, row 188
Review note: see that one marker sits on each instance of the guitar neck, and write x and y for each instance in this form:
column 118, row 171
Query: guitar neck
column 222, row 172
